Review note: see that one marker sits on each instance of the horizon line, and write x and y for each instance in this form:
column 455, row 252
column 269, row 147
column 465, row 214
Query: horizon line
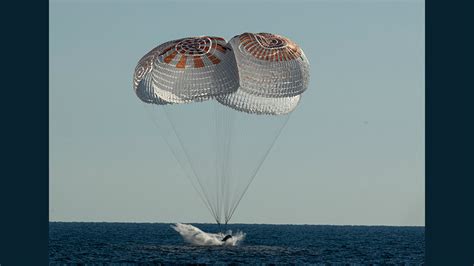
column 144, row 222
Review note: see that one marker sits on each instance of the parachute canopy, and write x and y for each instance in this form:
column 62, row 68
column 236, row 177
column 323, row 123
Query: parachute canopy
column 220, row 106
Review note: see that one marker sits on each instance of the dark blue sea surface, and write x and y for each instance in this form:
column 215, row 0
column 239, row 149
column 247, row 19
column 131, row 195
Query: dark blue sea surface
column 158, row 243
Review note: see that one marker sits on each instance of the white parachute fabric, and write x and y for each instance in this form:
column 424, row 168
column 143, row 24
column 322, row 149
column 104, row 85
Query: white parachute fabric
column 256, row 81
column 143, row 79
column 195, row 69
column 270, row 65
column 146, row 92
column 273, row 72
column 252, row 104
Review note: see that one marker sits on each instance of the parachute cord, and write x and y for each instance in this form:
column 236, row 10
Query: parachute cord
column 200, row 194
column 228, row 156
column 224, row 122
column 192, row 167
column 190, row 163
column 221, row 124
column 216, row 151
column 258, row 167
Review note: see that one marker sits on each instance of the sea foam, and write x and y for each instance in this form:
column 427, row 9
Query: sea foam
column 196, row 236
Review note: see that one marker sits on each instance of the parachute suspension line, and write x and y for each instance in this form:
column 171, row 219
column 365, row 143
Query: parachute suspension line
column 218, row 159
column 192, row 167
column 219, row 154
column 222, row 125
column 259, row 165
column 230, row 117
column 223, row 128
column 225, row 172
column 199, row 192
column 231, row 179
column 225, row 154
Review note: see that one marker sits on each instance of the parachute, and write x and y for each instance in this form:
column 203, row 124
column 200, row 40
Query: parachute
column 220, row 106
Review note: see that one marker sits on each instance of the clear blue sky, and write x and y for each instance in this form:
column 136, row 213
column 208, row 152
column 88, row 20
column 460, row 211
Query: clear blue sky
column 353, row 151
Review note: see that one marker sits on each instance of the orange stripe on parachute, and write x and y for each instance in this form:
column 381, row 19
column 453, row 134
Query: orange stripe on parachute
column 170, row 57
column 182, row 62
column 198, row 63
column 213, row 59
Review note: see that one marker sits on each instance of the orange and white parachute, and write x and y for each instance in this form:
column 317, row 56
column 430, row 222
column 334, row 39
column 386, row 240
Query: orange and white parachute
column 223, row 106
column 255, row 73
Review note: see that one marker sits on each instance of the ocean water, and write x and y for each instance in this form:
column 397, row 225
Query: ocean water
column 159, row 243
